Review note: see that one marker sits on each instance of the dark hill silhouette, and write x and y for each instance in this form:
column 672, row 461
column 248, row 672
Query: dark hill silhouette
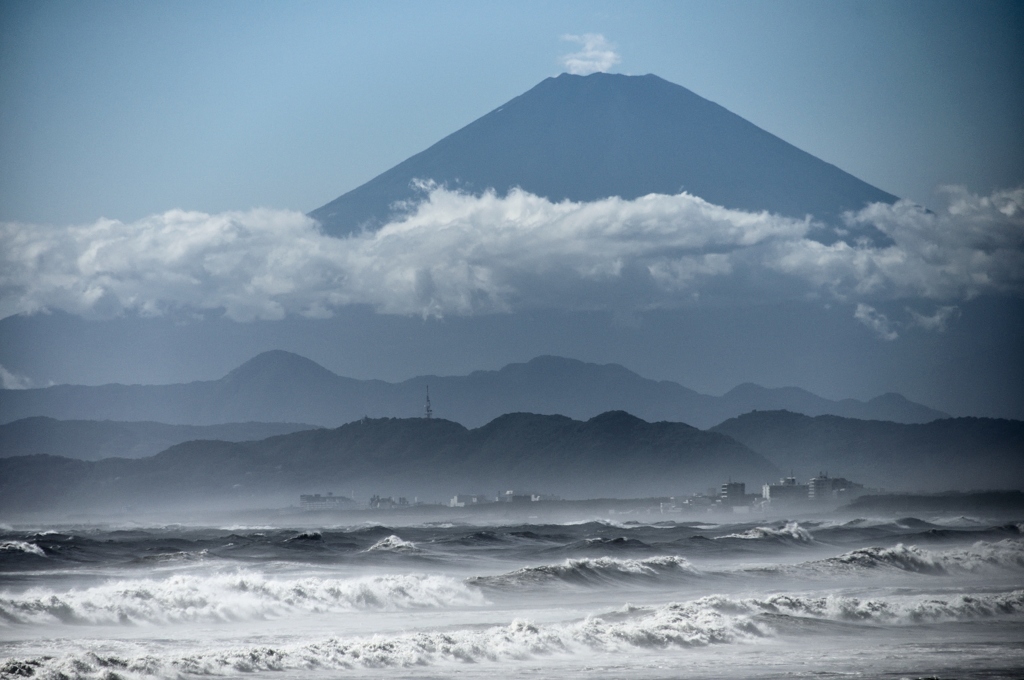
column 284, row 387
column 584, row 138
column 890, row 406
column 93, row 439
column 613, row 455
column 951, row 453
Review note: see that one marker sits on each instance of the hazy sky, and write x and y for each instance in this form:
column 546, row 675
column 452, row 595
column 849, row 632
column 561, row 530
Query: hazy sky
column 126, row 109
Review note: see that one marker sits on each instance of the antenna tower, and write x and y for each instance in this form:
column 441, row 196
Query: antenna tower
column 427, row 411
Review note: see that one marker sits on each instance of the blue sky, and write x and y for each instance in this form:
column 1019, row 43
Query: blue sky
column 123, row 110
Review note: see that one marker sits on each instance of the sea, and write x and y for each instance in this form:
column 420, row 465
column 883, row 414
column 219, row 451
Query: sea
column 650, row 597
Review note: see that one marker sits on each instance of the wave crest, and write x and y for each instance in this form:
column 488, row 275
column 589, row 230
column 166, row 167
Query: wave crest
column 1005, row 554
column 893, row 611
column 21, row 547
column 242, row 596
column 393, row 544
column 707, row 621
column 792, row 531
column 592, row 571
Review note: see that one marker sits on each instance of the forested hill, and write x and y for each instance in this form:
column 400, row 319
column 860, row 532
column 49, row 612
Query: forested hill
column 950, row 453
column 614, row 455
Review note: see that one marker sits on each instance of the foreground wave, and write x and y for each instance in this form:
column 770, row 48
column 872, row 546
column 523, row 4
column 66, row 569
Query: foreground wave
column 244, row 595
column 707, row 621
column 982, row 556
column 186, row 598
column 592, row 572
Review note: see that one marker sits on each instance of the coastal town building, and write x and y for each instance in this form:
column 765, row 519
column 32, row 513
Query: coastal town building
column 825, row 489
column 318, row 502
column 786, row 491
column 462, row 500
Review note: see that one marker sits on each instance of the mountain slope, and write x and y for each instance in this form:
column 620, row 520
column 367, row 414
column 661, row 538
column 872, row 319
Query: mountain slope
column 891, row 406
column 92, row 440
column 614, row 454
column 585, row 138
column 951, row 453
column 284, row 387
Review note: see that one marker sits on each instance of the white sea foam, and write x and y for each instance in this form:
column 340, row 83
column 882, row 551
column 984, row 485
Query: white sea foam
column 393, row 543
column 792, row 531
column 631, row 630
column 587, row 571
column 902, row 611
column 185, row 598
column 1005, row 554
column 21, row 547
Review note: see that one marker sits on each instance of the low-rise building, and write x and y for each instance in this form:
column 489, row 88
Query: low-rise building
column 512, row 496
column 824, row 489
column 389, row 503
column 318, row 502
column 462, row 500
column 786, row 491
column 733, row 494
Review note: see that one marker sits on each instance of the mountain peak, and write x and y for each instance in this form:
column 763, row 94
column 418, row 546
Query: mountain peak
column 276, row 364
column 585, row 138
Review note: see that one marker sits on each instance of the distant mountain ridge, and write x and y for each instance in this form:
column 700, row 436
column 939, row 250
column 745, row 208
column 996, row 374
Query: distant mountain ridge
column 585, row 138
column 951, row 453
column 93, row 440
column 612, row 455
column 279, row 386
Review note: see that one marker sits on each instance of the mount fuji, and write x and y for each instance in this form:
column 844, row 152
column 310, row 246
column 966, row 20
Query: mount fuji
column 585, row 138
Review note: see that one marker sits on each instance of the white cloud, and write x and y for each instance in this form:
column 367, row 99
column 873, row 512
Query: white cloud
column 13, row 381
column 596, row 54
column 973, row 247
column 937, row 321
column 876, row 321
column 457, row 254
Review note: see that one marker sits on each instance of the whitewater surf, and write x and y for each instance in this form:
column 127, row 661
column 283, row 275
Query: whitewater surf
column 901, row 597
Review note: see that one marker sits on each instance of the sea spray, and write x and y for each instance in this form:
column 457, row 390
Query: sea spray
column 1005, row 554
column 188, row 598
column 712, row 620
column 792, row 531
column 593, row 572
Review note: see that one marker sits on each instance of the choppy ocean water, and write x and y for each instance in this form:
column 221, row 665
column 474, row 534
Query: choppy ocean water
column 909, row 597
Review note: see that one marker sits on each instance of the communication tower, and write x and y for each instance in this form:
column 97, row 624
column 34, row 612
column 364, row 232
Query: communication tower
column 427, row 411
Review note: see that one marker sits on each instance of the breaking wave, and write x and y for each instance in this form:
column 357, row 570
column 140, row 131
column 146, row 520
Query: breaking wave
column 792, row 531
column 235, row 597
column 630, row 630
column 1005, row 554
column 393, row 544
column 587, row 571
column 621, row 544
column 901, row 611
column 21, row 547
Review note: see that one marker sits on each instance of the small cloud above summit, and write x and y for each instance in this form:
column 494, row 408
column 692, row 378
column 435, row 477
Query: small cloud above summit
column 596, row 54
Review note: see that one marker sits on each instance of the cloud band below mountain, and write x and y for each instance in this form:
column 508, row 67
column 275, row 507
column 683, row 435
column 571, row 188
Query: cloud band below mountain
column 457, row 254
